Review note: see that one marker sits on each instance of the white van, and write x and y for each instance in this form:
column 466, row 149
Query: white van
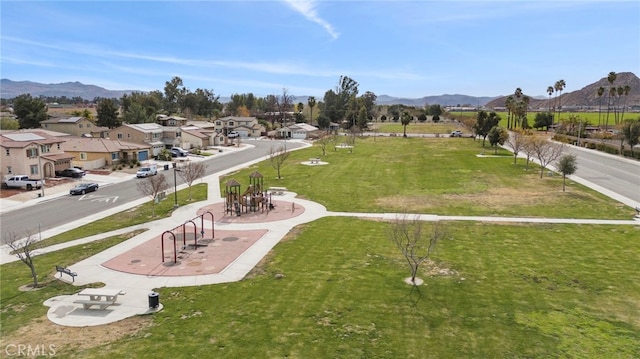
column 147, row 171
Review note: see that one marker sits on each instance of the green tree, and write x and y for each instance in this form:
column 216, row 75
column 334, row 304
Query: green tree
column 484, row 123
column 631, row 132
column 29, row 111
column 497, row 136
column 567, row 165
column 363, row 119
column 173, row 91
column 422, row 117
column 368, row 101
column 405, row 120
column 543, row 119
column 324, row 122
column 7, row 123
column 107, row 114
column 137, row 113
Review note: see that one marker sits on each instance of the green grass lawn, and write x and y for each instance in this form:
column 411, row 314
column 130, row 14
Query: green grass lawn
column 443, row 128
column 518, row 291
column 513, row 291
column 440, row 176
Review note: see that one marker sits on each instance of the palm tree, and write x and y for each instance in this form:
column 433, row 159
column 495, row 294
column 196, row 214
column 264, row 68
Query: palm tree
column 524, row 124
column 619, row 93
column 550, row 91
column 600, row 93
column 559, row 86
column 311, row 102
column 611, row 78
column 517, row 107
column 509, row 104
column 626, row 91
column 405, row 120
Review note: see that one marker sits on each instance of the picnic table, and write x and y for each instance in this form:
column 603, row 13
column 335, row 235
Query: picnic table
column 314, row 161
column 102, row 297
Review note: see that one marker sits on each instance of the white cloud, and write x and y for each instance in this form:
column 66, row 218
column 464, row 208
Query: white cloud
column 308, row 9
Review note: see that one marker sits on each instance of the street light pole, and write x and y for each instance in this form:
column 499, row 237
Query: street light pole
column 175, row 188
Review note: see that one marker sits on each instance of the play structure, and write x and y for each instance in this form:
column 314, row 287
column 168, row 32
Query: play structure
column 181, row 232
column 253, row 199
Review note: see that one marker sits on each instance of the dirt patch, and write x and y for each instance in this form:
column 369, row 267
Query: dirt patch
column 41, row 332
column 498, row 199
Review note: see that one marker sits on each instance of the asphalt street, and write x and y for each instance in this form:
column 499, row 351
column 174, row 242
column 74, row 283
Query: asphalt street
column 56, row 211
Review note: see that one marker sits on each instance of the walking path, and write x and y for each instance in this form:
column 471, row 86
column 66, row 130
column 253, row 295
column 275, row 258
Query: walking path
column 134, row 267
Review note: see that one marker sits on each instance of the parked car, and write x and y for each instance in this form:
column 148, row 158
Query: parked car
column 456, row 133
column 71, row 172
column 83, row 188
column 22, row 181
column 178, row 152
column 233, row 134
column 147, row 171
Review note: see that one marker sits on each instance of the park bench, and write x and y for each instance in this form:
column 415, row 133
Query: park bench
column 314, row 161
column 64, row 270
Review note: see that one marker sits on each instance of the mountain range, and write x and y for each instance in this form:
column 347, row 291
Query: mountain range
column 587, row 96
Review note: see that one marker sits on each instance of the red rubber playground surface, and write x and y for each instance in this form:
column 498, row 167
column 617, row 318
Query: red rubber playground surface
column 213, row 252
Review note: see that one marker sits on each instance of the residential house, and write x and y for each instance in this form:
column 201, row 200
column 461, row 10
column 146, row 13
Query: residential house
column 91, row 153
column 152, row 134
column 172, row 121
column 245, row 126
column 300, row 131
column 75, row 126
column 33, row 153
column 195, row 137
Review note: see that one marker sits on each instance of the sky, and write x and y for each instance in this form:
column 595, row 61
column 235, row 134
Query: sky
column 398, row 48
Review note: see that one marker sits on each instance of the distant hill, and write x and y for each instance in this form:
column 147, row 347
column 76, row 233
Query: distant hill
column 443, row 100
column 11, row 89
column 586, row 97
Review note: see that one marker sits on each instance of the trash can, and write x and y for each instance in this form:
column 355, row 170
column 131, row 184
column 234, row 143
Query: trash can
column 166, row 167
column 154, row 300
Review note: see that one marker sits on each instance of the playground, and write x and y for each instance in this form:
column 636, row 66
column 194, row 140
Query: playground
column 199, row 247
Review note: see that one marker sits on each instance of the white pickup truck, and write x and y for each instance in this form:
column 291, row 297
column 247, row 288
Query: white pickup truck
column 22, row 181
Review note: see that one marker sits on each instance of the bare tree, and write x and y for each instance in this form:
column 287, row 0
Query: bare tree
column 416, row 246
column 191, row 172
column 152, row 186
column 278, row 156
column 323, row 142
column 334, row 139
column 285, row 102
column 24, row 249
column 527, row 148
column 546, row 152
column 516, row 141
